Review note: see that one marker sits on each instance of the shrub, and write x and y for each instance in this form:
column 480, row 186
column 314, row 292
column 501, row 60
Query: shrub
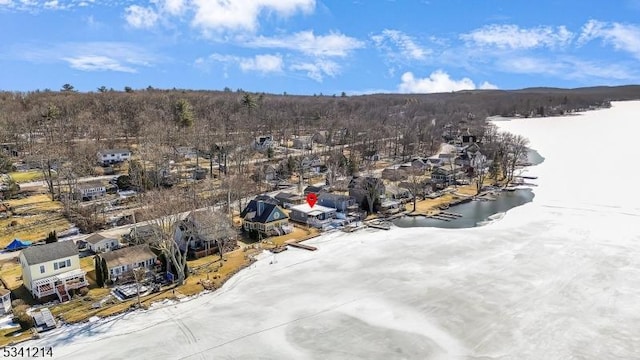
column 17, row 302
column 25, row 320
column 83, row 291
column 20, row 309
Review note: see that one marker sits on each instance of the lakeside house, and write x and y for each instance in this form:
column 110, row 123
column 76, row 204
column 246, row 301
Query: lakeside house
column 5, row 301
column 203, row 234
column 113, row 156
column 118, row 265
column 447, row 173
column 98, row 243
column 287, row 199
column 52, row 269
column 265, row 218
column 317, row 216
column 90, row 190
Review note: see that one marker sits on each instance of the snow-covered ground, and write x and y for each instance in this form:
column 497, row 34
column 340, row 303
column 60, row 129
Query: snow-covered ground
column 557, row 278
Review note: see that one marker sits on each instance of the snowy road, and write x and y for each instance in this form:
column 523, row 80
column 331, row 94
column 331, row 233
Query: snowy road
column 557, row 278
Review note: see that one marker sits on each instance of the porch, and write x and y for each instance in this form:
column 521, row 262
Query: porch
column 59, row 284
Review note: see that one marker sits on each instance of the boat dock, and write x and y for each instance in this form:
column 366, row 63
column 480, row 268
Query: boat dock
column 302, row 246
column 444, row 216
column 379, row 224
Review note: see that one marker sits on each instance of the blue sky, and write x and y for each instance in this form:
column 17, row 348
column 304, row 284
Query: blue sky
column 318, row 46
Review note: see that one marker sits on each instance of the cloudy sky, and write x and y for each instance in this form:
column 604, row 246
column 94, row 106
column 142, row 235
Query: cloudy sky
column 318, row 46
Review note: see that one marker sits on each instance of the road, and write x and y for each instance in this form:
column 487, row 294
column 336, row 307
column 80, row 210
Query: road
column 42, row 183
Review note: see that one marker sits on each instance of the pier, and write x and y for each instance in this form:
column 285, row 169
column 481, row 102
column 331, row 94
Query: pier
column 302, row 246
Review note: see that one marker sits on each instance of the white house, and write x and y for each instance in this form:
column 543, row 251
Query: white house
column 5, row 301
column 98, row 243
column 90, row 190
column 52, row 269
column 112, row 156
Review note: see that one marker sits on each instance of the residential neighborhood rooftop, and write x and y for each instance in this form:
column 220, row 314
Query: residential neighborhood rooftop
column 48, row 252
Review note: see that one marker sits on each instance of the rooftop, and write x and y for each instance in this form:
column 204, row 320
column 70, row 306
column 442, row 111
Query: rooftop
column 49, row 252
column 128, row 255
column 315, row 210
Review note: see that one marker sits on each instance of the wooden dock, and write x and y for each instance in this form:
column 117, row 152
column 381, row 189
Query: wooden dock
column 302, row 246
column 378, row 224
column 444, row 216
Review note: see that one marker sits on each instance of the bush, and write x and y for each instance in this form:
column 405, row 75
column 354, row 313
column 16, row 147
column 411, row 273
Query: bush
column 20, row 309
column 17, row 302
column 25, row 320
column 83, row 291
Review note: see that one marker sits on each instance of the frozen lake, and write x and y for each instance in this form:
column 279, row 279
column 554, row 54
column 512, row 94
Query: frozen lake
column 556, row 278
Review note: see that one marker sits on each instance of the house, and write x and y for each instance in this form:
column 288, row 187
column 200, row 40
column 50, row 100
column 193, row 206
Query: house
column 265, row 218
column 98, row 243
column 263, row 143
column 394, row 173
column 391, row 207
column 342, row 203
column 142, row 233
column 118, row 264
column 313, row 189
column 317, row 216
column 303, row 142
column 447, row 173
column 113, row 156
column 52, row 269
column 5, row 301
column 397, row 193
column 286, row 199
column 320, row 136
column 90, row 190
column 200, row 234
column 186, row 152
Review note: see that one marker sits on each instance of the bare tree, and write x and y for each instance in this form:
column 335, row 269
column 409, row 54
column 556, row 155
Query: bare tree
column 165, row 211
column 415, row 182
column 138, row 275
column 479, row 164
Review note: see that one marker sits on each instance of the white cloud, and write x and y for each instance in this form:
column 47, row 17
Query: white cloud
column 262, row 63
column 514, row 37
column 243, row 14
column 172, row 7
column 567, row 67
column 333, row 44
column 92, row 56
column 97, row 63
column 625, row 37
column 317, row 70
column 487, row 86
column 402, row 43
column 5, row 2
column 53, row 4
column 140, row 17
column 438, row 82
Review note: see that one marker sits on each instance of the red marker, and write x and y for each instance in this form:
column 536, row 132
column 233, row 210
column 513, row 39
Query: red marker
column 312, row 199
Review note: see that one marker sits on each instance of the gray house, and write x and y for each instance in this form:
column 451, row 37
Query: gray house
column 318, row 216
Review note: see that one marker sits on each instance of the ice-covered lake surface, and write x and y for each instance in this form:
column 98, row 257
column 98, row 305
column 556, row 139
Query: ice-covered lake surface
column 556, row 278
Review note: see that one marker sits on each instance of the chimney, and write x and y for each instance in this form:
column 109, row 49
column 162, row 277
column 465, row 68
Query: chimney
column 260, row 206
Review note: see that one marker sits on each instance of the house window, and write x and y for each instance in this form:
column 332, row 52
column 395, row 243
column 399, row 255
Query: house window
column 41, row 269
column 61, row 264
column 69, row 262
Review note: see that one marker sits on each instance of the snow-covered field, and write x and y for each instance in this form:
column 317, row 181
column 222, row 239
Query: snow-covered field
column 557, row 278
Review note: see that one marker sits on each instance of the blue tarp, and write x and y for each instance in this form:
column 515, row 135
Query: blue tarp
column 18, row 244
